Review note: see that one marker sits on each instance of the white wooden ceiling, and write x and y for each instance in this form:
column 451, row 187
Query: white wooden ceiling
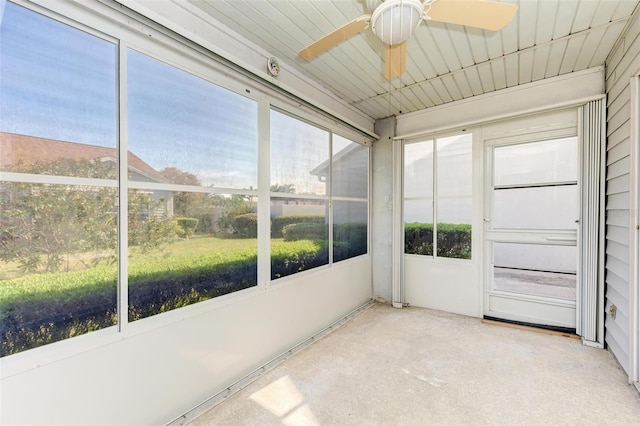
column 445, row 62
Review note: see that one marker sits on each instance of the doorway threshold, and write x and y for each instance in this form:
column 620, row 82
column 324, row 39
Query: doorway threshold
column 536, row 328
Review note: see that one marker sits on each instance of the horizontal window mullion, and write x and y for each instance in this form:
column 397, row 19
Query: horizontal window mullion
column 56, row 180
column 454, row 197
column 189, row 188
column 418, row 198
column 356, row 199
column 536, row 185
column 298, row 196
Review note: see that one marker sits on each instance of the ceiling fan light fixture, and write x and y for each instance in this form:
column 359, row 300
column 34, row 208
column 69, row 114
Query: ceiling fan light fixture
column 394, row 21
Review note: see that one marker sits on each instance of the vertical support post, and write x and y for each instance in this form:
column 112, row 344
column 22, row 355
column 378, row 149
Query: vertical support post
column 398, row 226
column 123, row 188
column 264, row 196
column 381, row 206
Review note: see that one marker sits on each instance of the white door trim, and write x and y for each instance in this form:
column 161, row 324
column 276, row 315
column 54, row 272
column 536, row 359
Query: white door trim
column 634, row 231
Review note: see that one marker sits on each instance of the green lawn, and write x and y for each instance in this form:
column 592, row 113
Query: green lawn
column 193, row 247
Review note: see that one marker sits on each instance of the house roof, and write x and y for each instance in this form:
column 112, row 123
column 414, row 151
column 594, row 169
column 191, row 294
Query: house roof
column 322, row 169
column 25, row 149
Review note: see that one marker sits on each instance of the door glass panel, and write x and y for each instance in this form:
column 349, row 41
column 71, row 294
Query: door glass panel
column 535, row 269
column 547, row 207
column 536, row 162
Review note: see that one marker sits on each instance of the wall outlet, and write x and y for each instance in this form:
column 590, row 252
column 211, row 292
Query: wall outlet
column 612, row 311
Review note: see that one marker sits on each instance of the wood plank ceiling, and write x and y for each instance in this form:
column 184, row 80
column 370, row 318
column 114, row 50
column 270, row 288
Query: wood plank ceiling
column 445, row 62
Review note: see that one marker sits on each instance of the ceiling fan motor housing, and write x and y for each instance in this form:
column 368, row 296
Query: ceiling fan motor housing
column 394, row 21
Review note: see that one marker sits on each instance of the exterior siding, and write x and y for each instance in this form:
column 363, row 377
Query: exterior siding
column 619, row 68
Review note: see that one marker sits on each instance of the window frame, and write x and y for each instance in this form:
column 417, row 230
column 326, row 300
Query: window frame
column 328, row 197
column 435, row 197
column 125, row 30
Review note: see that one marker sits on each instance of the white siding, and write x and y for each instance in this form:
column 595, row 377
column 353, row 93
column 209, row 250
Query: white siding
column 620, row 66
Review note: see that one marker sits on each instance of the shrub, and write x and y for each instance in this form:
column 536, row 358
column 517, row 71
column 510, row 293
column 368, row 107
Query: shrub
column 418, row 238
column 281, row 221
column 44, row 308
column 454, row 240
column 305, row 231
column 246, row 225
column 297, row 256
column 186, row 226
column 349, row 240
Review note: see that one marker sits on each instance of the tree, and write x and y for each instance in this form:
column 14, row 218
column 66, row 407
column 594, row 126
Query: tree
column 288, row 188
column 41, row 225
column 184, row 203
column 232, row 206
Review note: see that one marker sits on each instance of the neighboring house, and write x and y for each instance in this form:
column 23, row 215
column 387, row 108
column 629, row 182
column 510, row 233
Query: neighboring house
column 350, row 179
column 27, row 150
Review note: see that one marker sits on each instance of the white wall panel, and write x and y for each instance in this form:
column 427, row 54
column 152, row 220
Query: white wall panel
column 446, row 285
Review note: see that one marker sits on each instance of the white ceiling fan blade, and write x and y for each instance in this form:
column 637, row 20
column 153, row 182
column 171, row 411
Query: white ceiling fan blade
column 487, row 15
column 335, row 37
column 395, row 60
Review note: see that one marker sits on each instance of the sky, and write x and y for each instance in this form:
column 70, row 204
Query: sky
column 60, row 83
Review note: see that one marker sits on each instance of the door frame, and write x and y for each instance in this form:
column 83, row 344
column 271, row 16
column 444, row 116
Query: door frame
column 567, row 312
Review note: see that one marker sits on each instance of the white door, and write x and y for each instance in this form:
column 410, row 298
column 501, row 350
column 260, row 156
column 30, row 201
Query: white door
column 531, row 212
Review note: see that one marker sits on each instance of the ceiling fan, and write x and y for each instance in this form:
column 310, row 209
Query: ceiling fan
column 394, row 21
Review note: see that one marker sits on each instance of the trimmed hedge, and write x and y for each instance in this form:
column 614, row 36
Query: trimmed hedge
column 454, row 240
column 39, row 309
column 305, row 231
column 298, row 256
column 280, row 222
column 246, row 225
column 349, row 240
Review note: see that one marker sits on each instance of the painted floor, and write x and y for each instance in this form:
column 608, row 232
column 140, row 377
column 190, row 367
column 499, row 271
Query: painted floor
column 417, row 366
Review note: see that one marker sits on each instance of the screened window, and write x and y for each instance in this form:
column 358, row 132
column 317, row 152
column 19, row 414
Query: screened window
column 297, row 149
column 57, row 118
column 418, row 197
column 319, row 181
column 200, row 243
column 299, row 225
column 189, row 196
column 350, row 189
column 438, row 197
column 181, row 123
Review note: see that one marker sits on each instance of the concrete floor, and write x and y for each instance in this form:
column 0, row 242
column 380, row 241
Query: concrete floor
column 421, row 367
